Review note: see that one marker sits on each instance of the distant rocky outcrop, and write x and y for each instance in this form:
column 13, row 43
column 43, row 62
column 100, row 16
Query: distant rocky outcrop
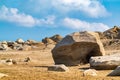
column 111, row 38
column 19, row 41
column 77, row 48
column 48, row 41
column 56, row 38
column 20, row 44
column 112, row 33
column 52, row 40
column 4, row 47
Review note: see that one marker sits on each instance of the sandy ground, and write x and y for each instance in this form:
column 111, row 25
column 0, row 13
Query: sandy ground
column 36, row 69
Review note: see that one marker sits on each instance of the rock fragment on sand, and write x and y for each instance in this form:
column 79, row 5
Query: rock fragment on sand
column 61, row 68
column 2, row 75
column 115, row 72
column 90, row 72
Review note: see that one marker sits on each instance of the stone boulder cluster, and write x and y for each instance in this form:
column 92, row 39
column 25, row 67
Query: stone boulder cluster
column 90, row 47
column 20, row 44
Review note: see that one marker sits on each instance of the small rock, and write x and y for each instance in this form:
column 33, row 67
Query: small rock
column 3, row 75
column 115, row 72
column 17, row 47
column 20, row 41
column 77, row 48
column 3, row 47
column 61, row 68
column 57, row 38
column 30, row 42
column 90, row 72
column 26, row 47
column 27, row 59
column 8, row 62
column 48, row 41
column 11, row 61
column 4, row 42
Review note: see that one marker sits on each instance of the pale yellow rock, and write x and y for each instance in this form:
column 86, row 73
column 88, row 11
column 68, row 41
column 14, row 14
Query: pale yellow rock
column 90, row 72
column 3, row 75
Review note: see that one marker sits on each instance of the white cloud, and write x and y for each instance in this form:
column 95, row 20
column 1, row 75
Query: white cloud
column 92, row 8
column 83, row 25
column 13, row 15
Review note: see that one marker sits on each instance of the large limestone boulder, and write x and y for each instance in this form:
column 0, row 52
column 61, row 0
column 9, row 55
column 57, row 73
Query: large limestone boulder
column 105, row 62
column 77, row 48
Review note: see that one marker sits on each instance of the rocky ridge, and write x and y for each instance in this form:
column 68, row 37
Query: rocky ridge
column 20, row 44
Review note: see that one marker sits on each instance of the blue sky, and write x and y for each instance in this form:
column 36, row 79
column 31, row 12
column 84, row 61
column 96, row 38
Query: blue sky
column 36, row 19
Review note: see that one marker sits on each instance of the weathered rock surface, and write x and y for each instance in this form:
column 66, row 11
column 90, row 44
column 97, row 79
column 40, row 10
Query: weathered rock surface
column 105, row 62
column 90, row 72
column 77, row 48
column 111, row 44
column 115, row 72
column 50, row 46
column 61, row 67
